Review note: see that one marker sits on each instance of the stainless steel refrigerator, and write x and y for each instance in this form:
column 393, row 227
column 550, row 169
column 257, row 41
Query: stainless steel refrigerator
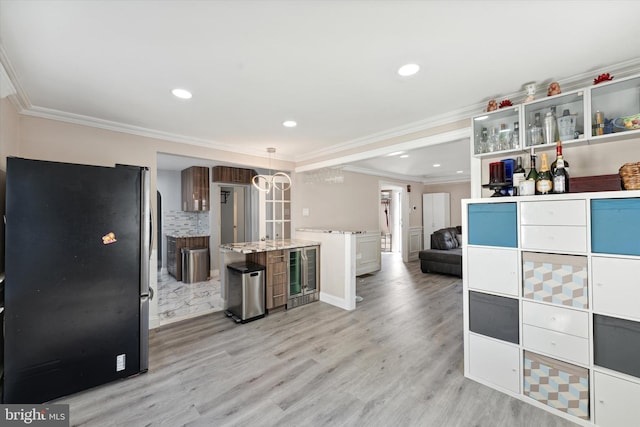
column 77, row 277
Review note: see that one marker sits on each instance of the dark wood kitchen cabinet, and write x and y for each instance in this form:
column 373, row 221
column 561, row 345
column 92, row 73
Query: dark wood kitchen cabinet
column 174, row 252
column 276, row 280
column 231, row 175
column 195, row 189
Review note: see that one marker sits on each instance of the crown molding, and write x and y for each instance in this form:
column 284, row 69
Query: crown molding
column 381, row 151
column 16, row 93
column 380, row 173
column 79, row 119
column 621, row 70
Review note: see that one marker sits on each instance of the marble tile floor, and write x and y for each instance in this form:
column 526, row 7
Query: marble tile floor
column 179, row 301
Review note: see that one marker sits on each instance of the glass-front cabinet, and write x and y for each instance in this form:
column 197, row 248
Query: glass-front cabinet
column 304, row 275
column 497, row 131
column 566, row 111
column 615, row 109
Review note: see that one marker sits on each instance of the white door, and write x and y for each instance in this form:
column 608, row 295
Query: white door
column 274, row 220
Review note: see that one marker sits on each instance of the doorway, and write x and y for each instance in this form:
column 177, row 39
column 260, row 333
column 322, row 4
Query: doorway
column 234, row 219
column 393, row 219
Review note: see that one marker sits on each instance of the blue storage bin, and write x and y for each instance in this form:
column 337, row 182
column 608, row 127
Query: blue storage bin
column 615, row 226
column 493, row 224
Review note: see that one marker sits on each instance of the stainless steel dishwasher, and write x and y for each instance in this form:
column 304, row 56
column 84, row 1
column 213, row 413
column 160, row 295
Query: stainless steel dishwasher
column 246, row 292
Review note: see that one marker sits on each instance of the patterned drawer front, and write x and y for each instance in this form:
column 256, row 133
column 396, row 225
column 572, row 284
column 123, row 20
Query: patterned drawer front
column 557, row 384
column 558, row 279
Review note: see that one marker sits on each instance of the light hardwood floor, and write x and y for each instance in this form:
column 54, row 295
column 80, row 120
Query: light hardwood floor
column 397, row 360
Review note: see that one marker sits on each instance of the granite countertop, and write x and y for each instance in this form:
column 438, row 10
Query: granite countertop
column 267, row 245
column 182, row 236
column 328, row 230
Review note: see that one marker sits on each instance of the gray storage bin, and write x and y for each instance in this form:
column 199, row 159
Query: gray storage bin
column 494, row 316
column 616, row 344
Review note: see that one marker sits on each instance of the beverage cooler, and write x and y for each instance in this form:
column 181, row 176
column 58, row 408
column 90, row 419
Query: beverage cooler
column 304, row 276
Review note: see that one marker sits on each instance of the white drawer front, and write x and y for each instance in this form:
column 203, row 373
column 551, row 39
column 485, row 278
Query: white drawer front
column 556, row 344
column 493, row 270
column 495, row 362
column 554, row 212
column 554, row 238
column 558, row 319
column 616, row 401
column 616, row 286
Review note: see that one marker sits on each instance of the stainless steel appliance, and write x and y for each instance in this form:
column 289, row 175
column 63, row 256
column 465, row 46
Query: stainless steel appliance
column 77, row 277
column 304, row 276
column 246, row 299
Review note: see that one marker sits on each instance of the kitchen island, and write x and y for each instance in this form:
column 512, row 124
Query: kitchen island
column 291, row 269
column 338, row 269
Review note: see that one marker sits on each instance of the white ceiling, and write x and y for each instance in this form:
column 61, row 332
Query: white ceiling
column 329, row 65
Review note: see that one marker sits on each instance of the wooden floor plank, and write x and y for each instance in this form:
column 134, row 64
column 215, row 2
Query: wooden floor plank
column 396, row 360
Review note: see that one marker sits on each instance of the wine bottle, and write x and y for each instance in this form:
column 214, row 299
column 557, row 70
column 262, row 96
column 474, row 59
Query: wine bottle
column 559, row 153
column 518, row 176
column 528, row 186
column 560, row 174
column 544, row 183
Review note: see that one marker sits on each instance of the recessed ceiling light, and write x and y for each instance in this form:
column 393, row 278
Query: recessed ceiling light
column 289, row 124
column 459, row 171
column 404, row 156
column 408, row 70
column 436, row 165
column 395, row 153
column 181, row 93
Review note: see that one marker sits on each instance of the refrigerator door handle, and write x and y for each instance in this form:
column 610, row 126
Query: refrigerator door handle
column 145, row 244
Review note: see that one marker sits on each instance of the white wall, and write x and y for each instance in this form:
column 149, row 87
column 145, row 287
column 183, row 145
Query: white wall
column 352, row 205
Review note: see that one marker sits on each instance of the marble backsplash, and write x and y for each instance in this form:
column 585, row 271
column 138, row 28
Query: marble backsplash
column 182, row 223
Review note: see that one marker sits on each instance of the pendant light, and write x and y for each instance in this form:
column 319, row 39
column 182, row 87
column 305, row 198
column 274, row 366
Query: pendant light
column 265, row 183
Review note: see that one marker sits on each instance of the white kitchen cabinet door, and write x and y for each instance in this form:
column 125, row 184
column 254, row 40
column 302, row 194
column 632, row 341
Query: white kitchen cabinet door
column 435, row 214
column 493, row 270
column 495, row 362
column 616, row 286
column 616, row 401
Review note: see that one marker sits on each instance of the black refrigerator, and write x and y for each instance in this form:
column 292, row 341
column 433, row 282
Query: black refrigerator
column 76, row 277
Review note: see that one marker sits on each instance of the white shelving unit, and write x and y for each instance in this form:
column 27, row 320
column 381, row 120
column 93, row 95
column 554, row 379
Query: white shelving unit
column 616, row 99
column 553, row 283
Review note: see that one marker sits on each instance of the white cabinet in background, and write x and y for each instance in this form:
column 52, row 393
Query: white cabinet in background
column 616, row 286
column 616, row 401
column 435, row 214
column 493, row 270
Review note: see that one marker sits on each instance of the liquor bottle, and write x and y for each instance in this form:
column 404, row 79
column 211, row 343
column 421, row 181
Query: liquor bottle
column 528, row 186
column 515, row 143
column 518, row 176
column 558, row 153
column 560, row 173
column 544, row 183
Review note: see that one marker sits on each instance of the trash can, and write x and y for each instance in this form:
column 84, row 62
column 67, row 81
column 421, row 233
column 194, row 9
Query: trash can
column 195, row 264
column 246, row 291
